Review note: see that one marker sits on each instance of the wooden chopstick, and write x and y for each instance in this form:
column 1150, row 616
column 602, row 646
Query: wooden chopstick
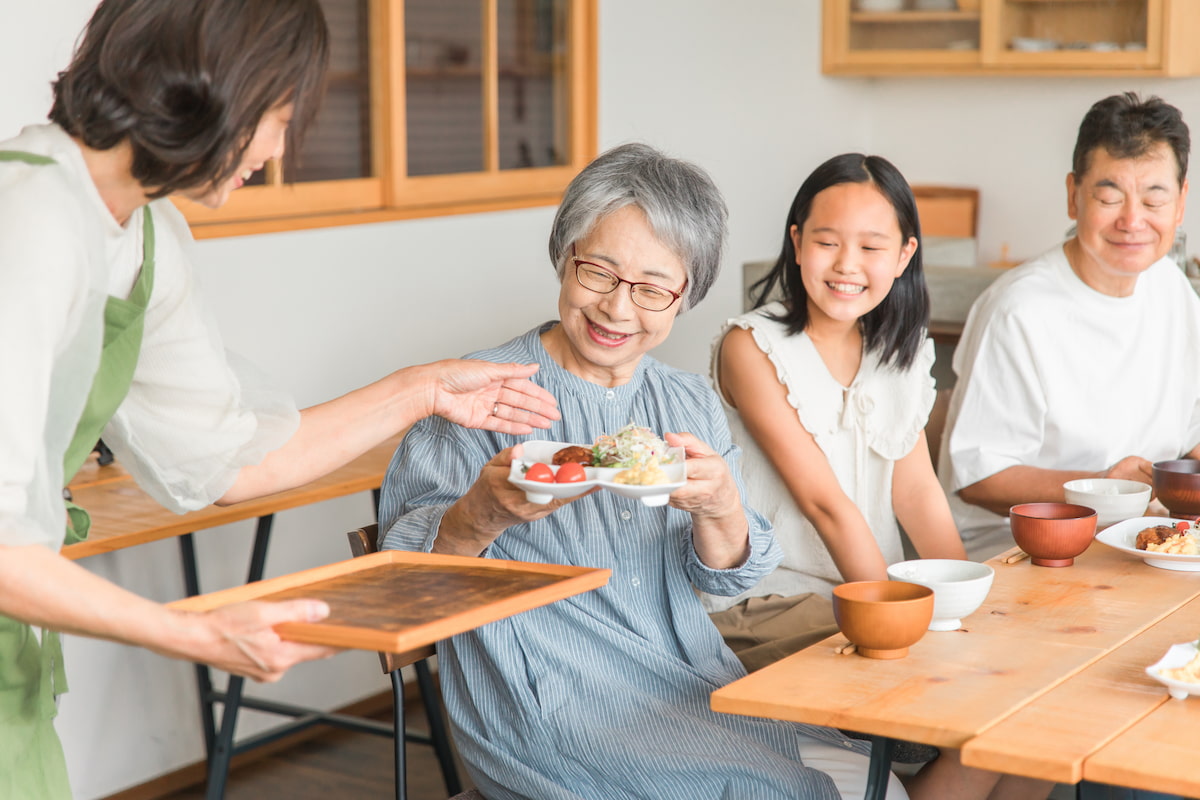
column 849, row 648
column 1012, row 556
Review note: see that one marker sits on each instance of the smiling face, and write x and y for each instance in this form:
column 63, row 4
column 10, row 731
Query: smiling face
column 602, row 337
column 1126, row 211
column 850, row 252
column 268, row 143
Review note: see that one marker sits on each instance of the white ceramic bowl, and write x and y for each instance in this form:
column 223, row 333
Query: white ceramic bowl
column 959, row 587
column 1113, row 499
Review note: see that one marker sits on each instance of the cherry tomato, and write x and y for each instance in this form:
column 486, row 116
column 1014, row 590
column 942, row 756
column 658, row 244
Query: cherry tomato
column 1183, row 527
column 570, row 473
column 540, row 473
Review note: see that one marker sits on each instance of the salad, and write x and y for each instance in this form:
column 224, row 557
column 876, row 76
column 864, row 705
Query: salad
column 632, row 446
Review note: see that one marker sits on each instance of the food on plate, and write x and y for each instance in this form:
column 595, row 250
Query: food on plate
column 632, row 446
column 574, row 454
column 1168, row 539
column 648, row 474
column 540, row 473
column 570, row 472
column 1188, row 673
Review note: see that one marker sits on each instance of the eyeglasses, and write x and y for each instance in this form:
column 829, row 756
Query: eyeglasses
column 645, row 295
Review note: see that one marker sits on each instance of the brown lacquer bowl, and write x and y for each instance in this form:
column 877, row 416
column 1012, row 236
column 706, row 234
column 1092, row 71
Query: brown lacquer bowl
column 1052, row 533
column 1177, row 486
column 883, row 618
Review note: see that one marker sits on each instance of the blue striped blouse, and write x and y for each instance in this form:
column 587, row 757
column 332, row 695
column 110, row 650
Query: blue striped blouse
column 604, row 695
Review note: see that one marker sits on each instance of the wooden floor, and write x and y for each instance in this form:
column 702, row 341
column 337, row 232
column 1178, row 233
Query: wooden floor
column 340, row 764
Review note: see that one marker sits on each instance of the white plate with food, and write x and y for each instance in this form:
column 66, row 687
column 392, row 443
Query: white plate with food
column 644, row 468
column 1179, row 670
column 1175, row 534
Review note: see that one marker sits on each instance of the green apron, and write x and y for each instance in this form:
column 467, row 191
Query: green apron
column 31, row 674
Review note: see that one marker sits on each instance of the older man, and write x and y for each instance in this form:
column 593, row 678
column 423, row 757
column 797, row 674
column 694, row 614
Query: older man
column 1084, row 362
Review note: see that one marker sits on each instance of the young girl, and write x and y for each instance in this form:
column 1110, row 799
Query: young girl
column 828, row 391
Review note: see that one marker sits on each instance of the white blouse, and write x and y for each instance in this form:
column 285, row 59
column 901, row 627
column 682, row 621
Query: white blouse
column 862, row 429
column 190, row 421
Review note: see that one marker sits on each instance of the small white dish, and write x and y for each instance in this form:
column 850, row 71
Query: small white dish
column 959, row 587
column 878, row 5
column 1123, row 536
column 1029, row 44
column 1176, row 657
column 541, row 451
column 1113, row 499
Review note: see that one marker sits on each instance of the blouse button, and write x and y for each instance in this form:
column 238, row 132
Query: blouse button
column 610, row 394
column 636, row 581
column 625, row 515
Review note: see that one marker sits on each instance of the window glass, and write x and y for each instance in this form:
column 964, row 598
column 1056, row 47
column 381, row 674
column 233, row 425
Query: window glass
column 533, row 99
column 444, row 54
column 338, row 144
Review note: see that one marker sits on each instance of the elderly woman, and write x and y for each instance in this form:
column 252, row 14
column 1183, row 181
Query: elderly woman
column 605, row 695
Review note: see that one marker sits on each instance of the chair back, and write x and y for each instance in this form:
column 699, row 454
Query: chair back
column 364, row 541
column 949, row 211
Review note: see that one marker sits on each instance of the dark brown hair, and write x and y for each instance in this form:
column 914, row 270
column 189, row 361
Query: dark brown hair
column 186, row 82
column 1128, row 127
column 895, row 329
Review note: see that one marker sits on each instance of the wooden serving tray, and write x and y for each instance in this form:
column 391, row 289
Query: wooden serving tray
column 396, row 601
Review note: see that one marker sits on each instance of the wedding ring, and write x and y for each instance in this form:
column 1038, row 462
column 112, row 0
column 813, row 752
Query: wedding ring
column 495, row 409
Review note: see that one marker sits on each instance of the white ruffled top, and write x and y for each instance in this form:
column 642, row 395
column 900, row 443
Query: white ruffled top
column 863, row 429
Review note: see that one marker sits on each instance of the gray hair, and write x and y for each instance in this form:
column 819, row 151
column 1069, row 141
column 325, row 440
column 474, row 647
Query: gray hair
column 682, row 204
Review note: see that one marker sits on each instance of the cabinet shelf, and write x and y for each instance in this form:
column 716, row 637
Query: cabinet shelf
column 1143, row 38
column 912, row 17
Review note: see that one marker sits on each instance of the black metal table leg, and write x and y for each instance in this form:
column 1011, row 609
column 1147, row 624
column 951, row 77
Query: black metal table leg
column 219, row 745
column 880, row 769
column 398, row 739
column 191, row 582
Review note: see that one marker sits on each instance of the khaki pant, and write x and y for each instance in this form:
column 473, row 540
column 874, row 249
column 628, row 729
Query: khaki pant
column 762, row 630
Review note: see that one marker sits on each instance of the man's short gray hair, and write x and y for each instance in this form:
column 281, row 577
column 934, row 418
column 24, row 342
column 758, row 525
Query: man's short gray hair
column 682, row 204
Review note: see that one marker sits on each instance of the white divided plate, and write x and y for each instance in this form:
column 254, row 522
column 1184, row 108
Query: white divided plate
column 1176, row 657
column 540, row 451
column 1123, row 536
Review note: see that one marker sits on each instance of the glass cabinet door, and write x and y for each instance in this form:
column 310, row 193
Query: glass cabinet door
column 899, row 31
column 1115, row 34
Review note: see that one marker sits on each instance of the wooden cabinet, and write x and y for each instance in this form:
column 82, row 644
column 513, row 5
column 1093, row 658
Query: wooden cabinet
column 1011, row 37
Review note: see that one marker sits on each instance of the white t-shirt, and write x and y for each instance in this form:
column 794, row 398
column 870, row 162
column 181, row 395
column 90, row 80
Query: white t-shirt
column 862, row 429
column 1054, row 374
column 189, row 422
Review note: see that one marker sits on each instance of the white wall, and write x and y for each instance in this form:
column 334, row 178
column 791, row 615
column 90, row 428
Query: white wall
column 733, row 86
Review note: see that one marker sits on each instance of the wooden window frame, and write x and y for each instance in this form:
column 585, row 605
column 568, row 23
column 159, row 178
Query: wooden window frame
column 391, row 194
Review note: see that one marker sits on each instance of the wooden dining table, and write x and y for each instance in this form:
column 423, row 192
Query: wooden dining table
column 1046, row 679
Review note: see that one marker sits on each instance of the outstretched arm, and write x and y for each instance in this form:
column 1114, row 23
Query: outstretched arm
column 45, row 589
column 474, row 394
column 1023, row 484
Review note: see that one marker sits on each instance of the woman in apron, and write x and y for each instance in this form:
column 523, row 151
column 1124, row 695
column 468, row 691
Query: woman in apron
column 100, row 334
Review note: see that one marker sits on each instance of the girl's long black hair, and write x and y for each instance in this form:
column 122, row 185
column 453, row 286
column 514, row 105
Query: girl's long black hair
column 895, row 329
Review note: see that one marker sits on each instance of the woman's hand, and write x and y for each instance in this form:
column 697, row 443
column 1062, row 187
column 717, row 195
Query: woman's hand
column 491, row 506
column 719, row 528
column 241, row 638
column 495, row 397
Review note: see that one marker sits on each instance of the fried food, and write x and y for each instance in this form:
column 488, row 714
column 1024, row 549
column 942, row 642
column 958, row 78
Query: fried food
column 1156, row 535
column 1167, row 539
column 574, row 455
